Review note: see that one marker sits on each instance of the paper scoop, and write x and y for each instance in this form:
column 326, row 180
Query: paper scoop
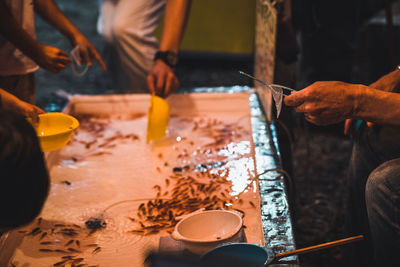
column 157, row 119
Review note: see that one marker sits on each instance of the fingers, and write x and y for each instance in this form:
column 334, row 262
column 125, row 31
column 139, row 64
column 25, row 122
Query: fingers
column 34, row 115
column 84, row 55
column 349, row 127
column 60, row 62
column 315, row 119
column 171, row 84
column 150, row 83
column 96, row 56
column 162, row 80
column 100, row 60
column 32, row 112
column 62, row 55
column 294, row 99
column 160, row 84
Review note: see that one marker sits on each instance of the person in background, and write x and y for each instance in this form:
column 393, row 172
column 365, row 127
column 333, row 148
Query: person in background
column 373, row 205
column 135, row 59
column 21, row 54
column 24, row 177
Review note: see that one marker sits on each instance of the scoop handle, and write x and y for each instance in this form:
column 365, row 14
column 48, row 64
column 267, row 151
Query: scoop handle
column 319, row 247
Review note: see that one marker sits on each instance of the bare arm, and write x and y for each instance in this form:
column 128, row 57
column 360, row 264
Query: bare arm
column 11, row 102
column 50, row 58
column 175, row 19
column 378, row 106
column 329, row 102
column 389, row 82
column 162, row 80
column 50, row 12
column 47, row 57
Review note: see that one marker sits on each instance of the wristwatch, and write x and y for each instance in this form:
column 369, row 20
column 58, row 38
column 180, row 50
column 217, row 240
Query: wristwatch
column 170, row 58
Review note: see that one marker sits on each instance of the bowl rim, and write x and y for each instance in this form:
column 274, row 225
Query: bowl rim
column 176, row 235
column 74, row 125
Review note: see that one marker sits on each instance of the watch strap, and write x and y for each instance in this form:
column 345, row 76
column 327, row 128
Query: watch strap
column 168, row 57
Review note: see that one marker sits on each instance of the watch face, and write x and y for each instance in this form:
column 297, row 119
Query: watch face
column 172, row 58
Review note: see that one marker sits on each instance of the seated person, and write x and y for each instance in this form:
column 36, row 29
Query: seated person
column 373, row 205
column 24, row 177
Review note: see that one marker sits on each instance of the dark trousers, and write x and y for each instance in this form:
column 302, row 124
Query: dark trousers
column 373, row 206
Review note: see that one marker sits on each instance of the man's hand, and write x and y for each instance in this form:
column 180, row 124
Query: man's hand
column 325, row 103
column 51, row 58
column 87, row 58
column 162, row 80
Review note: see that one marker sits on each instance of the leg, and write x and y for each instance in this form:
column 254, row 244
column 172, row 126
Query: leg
column 372, row 147
column 383, row 205
column 128, row 27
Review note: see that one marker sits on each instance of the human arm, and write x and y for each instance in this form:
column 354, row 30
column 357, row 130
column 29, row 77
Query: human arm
column 162, row 80
column 330, row 102
column 13, row 103
column 51, row 13
column 389, row 83
column 50, row 58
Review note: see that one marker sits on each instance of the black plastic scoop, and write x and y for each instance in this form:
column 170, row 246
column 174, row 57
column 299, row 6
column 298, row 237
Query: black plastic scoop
column 252, row 255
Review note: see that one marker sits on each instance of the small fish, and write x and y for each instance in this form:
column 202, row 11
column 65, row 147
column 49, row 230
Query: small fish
column 43, row 235
column 67, row 257
column 77, row 260
column 60, row 263
column 69, row 243
column 35, row 231
column 74, row 250
column 66, row 182
column 47, row 243
column 45, row 250
column 96, row 250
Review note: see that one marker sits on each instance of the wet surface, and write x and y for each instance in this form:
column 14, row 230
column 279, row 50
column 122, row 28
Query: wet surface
column 320, row 156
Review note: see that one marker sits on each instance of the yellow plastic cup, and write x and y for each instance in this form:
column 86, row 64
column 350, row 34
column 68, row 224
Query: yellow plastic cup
column 158, row 118
column 54, row 130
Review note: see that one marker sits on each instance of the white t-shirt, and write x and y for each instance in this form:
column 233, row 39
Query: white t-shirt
column 12, row 60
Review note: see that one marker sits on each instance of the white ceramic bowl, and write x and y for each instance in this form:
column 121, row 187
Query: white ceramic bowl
column 202, row 231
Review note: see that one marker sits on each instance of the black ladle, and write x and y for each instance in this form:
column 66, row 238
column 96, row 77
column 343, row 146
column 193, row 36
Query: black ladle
column 252, row 255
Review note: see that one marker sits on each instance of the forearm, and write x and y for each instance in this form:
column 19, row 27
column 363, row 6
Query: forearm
column 7, row 100
column 377, row 106
column 389, row 82
column 50, row 12
column 175, row 19
column 14, row 33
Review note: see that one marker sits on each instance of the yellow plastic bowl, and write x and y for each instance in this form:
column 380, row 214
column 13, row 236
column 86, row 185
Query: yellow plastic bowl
column 54, row 130
column 158, row 118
